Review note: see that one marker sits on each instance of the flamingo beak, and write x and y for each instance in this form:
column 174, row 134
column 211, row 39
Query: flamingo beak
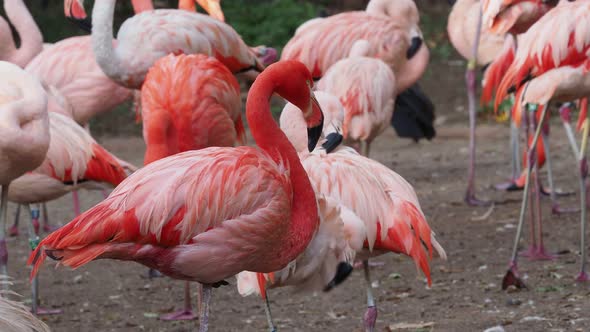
column 74, row 9
column 213, row 7
column 332, row 142
column 343, row 270
column 414, row 47
column 314, row 133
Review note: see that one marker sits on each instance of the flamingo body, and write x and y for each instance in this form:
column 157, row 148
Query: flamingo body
column 190, row 102
column 69, row 66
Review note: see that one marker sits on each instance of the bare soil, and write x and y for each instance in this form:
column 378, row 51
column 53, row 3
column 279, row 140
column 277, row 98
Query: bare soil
column 465, row 295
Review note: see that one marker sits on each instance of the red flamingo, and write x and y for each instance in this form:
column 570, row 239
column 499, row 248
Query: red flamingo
column 209, row 214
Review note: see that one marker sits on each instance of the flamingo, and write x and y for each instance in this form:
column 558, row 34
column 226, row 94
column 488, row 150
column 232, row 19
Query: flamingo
column 74, row 160
column 189, row 102
column 25, row 137
column 148, row 36
column 385, row 203
column 15, row 317
column 31, row 40
column 551, row 63
column 391, row 28
column 366, row 87
column 209, row 214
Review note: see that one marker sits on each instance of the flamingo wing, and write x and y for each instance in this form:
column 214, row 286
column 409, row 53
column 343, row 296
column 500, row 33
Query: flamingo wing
column 216, row 207
column 559, row 38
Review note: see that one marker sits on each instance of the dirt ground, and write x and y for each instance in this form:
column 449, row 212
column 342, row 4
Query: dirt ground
column 465, row 295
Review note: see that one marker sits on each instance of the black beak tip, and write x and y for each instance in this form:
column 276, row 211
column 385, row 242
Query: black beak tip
column 343, row 270
column 313, row 135
column 332, row 142
column 415, row 45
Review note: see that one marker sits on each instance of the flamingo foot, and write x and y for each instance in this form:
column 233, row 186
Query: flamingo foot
column 471, row 200
column 184, row 314
column 542, row 255
column 547, row 192
column 508, row 186
column 582, row 277
column 45, row 311
column 511, row 278
column 530, row 252
column 557, row 210
column 359, row 264
column 154, row 274
column 370, row 318
column 13, row 230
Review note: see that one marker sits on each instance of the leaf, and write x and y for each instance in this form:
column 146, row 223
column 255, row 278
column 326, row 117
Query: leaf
column 150, row 315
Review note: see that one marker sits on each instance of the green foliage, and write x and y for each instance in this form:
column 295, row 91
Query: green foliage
column 434, row 27
column 270, row 23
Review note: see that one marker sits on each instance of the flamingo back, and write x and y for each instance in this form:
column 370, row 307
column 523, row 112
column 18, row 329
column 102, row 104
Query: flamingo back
column 366, row 89
column 174, row 212
column 190, row 102
column 149, row 36
column 69, row 65
column 321, row 43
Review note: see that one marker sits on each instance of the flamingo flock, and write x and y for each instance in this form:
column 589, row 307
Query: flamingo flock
column 303, row 203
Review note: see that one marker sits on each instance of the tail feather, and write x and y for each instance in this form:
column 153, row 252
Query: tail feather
column 496, row 70
column 583, row 112
column 104, row 167
column 414, row 114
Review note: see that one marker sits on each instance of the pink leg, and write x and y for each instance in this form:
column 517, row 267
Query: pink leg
column 76, row 200
column 3, row 247
column 187, row 312
column 33, row 242
column 47, row 226
column 13, row 231
column 540, row 253
column 370, row 316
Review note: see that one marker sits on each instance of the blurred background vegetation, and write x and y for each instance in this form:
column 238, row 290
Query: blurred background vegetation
column 259, row 22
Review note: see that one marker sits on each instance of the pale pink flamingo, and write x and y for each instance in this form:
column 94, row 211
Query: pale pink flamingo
column 25, row 135
column 551, row 63
column 390, row 27
column 148, row 36
column 367, row 88
column 363, row 189
column 16, row 317
column 189, row 102
column 31, row 40
column 209, row 214
column 74, row 160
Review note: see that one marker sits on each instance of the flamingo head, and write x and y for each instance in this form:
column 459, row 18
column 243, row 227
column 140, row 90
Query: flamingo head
column 265, row 55
column 213, row 7
column 293, row 81
column 74, row 9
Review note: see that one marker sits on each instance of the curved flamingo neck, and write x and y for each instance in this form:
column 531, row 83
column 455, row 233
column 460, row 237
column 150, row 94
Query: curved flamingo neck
column 29, row 33
column 102, row 40
column 269, row 137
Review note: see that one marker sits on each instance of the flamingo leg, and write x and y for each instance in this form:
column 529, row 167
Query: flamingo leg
column 530, row 252
column 204, row 315
column 3, row 247
column 271, row 325
column 33, row 243
column 187, row 312
column 583, row 276
column 370, row 316
column 470, row 198
column 540, row 253
column 511, row 277
column 515, row 161
column 47, row 226
column 365, row 148
column 76, row 200
column 13, row 231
